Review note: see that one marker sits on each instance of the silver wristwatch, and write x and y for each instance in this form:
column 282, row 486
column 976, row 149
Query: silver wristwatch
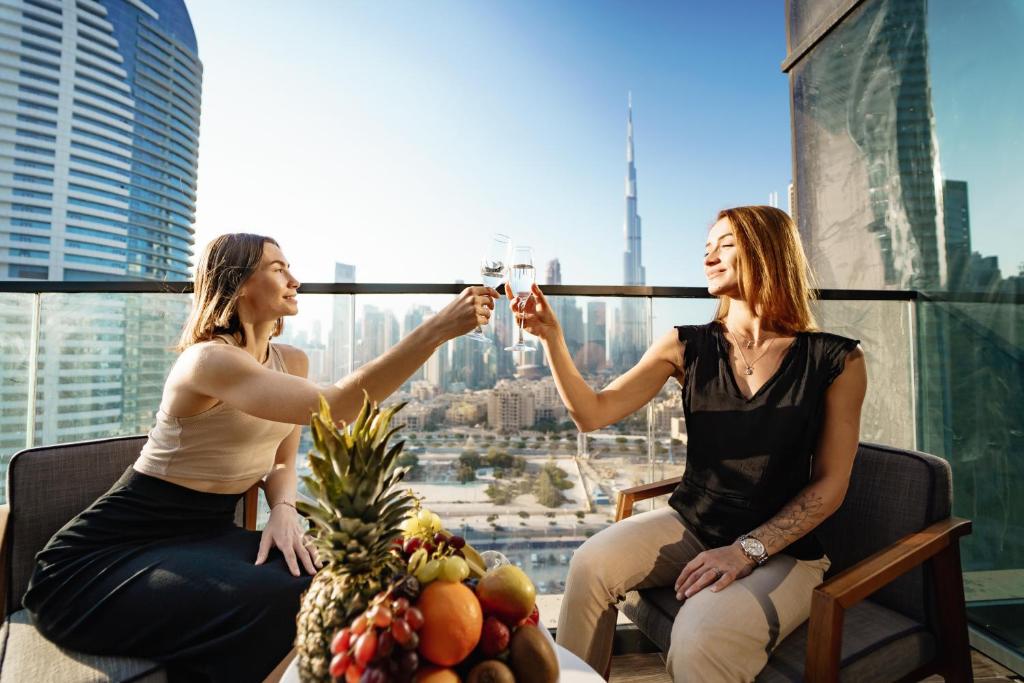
column 753, row 549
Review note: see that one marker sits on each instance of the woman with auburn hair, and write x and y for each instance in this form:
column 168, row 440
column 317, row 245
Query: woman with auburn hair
column 156, row 567
column 772, row 409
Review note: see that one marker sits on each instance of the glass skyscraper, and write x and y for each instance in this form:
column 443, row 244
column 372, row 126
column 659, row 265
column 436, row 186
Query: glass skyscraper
column 902, row 131
column 99, row 136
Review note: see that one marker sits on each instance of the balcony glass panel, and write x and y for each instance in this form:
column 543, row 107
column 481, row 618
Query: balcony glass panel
column 15, row 355
column 972, row 415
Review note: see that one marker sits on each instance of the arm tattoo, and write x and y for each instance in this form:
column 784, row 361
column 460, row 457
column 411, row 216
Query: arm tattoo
column 793, row 521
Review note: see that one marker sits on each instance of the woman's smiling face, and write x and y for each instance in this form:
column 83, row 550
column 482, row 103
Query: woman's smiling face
column 720, row 257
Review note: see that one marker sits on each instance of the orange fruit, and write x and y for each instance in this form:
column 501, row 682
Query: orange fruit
column 452, row 622
column 434, row 674
column 507, row 593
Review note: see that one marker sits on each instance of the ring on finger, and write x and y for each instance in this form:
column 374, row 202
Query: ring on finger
column 718, row 572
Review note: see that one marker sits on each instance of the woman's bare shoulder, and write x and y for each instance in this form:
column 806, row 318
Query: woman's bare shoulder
column 295, row 359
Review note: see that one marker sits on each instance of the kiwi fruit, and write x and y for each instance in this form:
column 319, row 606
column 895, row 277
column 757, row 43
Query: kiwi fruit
column 531, row 656
column 490, row 671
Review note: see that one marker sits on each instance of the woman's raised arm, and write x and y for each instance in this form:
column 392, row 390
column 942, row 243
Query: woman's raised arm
column 231, row 375
column 625, row 395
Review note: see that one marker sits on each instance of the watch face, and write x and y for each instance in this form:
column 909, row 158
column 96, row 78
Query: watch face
column 753, row 546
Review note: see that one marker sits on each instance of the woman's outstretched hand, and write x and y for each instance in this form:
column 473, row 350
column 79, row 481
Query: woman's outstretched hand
column 535, row 315
column 716, row 568
column 284, row 532
column 470, row 308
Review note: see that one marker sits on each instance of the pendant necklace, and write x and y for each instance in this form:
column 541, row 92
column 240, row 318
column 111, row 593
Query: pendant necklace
column 748, row 366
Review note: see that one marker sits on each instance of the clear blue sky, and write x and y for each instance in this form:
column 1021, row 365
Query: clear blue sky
column 397, row 135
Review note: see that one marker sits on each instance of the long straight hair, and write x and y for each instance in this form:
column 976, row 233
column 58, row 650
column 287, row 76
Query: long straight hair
column 225, row 265
column 773, row 275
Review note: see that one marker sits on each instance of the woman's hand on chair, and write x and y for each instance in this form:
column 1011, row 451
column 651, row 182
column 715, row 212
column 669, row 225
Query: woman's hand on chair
column 284, row 531
column 716, row 568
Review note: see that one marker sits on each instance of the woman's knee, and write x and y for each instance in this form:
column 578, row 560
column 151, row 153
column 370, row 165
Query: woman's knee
column 590, row 561
column 716, row 639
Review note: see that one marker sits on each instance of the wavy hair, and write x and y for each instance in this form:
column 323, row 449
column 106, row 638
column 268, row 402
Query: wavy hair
column 772, row 271
column 225, row 265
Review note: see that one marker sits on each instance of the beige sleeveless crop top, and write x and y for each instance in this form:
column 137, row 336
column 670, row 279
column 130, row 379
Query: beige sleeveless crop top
column 220, row 444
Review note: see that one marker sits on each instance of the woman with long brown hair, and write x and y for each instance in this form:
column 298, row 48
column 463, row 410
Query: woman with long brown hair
column 772, row 409
column 156, row 568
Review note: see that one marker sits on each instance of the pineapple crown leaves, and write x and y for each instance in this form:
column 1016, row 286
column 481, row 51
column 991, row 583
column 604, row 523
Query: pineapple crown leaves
column 357, row 508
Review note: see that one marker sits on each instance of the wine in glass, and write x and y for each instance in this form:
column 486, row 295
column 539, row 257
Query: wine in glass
column 492, row 273
column 521, row 279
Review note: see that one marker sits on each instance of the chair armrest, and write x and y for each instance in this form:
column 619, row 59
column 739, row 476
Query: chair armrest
column 872, row 573
column 832, row 598
column 5, row 513
column 628, row 497
column 251, row 505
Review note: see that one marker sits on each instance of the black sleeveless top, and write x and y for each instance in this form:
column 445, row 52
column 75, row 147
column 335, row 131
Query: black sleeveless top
column 747, row 458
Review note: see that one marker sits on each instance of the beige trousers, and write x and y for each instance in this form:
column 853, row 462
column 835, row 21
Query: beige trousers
column 724, row 636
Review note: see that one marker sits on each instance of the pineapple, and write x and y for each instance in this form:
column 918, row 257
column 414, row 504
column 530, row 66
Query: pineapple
column 357, row 513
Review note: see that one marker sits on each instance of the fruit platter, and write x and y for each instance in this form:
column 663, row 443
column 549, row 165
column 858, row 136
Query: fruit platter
column 400, row 598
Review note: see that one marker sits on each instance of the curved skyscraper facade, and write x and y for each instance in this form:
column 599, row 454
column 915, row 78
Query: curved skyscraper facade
column 99, row 135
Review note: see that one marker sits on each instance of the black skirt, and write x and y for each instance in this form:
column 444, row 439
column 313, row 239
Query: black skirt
column 160, row 571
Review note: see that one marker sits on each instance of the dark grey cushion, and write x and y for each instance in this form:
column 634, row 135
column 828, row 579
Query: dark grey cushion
column 48, row 485
column 893, row 492
column 878, row 643
column 40, row 660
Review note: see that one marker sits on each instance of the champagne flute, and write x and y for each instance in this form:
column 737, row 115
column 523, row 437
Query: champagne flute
column 492, row 272
column 521, row 279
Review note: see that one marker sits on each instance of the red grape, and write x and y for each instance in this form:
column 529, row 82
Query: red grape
column 354, row 673
column 415, row 618
column 439, row 538
column 408, row 662
column 399, row 606
column 373, row 675
column 401, row 631
column 385, row 645
column 339, row 664
column 411, row 545
column 457, row 542
column 341, row 641
column 379, row 615
column 366, row 647
column 359, row 625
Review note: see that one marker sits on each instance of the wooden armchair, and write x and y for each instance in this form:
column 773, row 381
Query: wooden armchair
column 894, row 540
column 46, row 487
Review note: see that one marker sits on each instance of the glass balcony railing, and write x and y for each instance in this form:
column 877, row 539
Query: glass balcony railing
column 491, row 446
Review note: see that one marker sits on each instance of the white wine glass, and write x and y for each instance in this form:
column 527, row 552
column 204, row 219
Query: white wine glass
column 521, row 278
column 492, row 273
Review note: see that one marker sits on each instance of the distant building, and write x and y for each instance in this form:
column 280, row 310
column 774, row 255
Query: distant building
column 630, row 330
column 339, row 343
column 510, row 407
column 594, row 352
column 553, row 276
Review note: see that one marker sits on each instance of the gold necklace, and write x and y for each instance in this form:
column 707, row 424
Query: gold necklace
column 748, row 366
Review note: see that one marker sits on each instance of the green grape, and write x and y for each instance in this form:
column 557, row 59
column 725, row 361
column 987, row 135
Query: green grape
column 411, row 526
column 424, row 516
column 454, row 569
column 428, row 572
column 435, row 523
column 417, row 560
